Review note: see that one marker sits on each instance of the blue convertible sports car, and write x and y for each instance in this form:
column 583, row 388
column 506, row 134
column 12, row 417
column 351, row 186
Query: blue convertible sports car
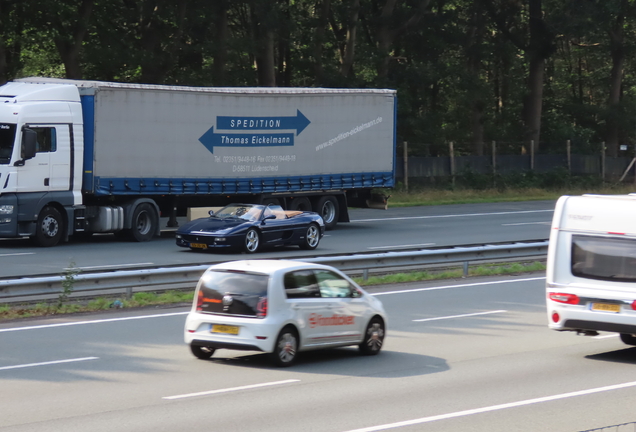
column 249, row 226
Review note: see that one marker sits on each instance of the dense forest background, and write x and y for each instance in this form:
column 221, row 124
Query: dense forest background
column 470, row 72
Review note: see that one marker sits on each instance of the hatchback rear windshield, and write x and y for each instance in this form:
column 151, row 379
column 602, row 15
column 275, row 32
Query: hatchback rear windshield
column 232, row 293
column 604, row 258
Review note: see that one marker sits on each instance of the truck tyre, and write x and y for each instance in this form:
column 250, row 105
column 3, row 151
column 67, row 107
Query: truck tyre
column 49, row 228
column 327, row 207
column 312, row 237
column 271, row 201
column 144, row 223
column 300, row 203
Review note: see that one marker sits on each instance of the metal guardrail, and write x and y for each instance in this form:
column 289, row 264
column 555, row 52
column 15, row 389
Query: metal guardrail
column 128, row 281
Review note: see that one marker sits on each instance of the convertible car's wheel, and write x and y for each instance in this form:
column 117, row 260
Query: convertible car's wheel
column 49, row 228
column 252, row 240
column 202, row 353
column 312, row 237
column 628, row 339
column 327, row 207
column 286, row 348
column 373, row 337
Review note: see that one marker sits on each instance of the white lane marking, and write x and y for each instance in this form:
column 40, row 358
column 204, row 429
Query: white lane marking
column 527, row 223
column 48, row 363
column 92, row 322
column 458, row 286
column 452, row 216
column 247, row 387
column 109, row 266
column 606, row 336
column 402, row 246
column 17, row 254
column 460, row 316
column 495, row 408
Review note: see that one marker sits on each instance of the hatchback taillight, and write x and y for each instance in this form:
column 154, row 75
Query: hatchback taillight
column 200, row 301
column 261, row 307
column 564, row 298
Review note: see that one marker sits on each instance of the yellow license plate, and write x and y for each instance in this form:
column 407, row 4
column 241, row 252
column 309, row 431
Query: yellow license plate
column 199, row 245
column 225, row 329
column 606, row 307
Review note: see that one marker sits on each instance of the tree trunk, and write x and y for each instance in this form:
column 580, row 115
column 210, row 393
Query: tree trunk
column 220, row 44
column 69, row 41
column 322, row 10
column 346, row 66
column 616, row 79
column 539, row 49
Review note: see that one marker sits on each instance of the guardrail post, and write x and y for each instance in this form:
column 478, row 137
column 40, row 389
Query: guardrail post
column 465, row 268
column 365, row 274
column 129, row 292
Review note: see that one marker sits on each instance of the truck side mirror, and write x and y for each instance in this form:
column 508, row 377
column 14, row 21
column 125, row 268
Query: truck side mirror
column 29, row 140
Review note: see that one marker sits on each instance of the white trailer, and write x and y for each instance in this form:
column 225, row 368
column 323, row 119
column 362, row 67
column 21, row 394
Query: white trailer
column 591, row 267
column 79, row 157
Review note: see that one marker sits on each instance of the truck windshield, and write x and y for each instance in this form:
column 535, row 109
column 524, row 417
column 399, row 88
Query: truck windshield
column 604, row 258
column 7, row 138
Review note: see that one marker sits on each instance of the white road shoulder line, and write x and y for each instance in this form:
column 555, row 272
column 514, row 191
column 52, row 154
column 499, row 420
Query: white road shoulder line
column 227, row 390
column 494, row 408
column 402, row 246
column 452, row 215
column 74, row 323
column 17, row 254
column 527, row 223
column 109, row 266
column 48, row 363
column 460, row 316
column 459, row 286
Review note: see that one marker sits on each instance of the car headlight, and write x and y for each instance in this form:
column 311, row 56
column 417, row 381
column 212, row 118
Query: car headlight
column 6, row 209
column 177, row 236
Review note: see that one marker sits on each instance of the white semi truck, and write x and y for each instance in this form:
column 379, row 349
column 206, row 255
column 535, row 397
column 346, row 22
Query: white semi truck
column 83, row 157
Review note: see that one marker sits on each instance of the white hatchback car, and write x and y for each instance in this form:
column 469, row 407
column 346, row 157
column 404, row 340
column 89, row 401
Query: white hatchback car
column 281, row 307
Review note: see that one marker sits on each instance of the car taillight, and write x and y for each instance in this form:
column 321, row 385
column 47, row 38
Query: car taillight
column 634, row 305
column 564, row 298
column 200, row 300
column 261, row 307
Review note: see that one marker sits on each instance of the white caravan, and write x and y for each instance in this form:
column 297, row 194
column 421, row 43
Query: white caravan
column 591, row 269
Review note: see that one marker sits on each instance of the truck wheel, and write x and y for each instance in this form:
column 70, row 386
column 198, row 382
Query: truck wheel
column 327, row 207
column 312, row 237
column 300, row 203
column 49, row 228
column 144, row 223
column 252, row 240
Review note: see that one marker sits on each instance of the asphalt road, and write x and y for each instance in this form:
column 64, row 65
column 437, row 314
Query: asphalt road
column 369, row 230
column 469, row 355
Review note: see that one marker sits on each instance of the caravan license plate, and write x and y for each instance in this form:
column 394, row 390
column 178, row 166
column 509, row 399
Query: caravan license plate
column 198, row 245
column 225, row 329
column 606, row 307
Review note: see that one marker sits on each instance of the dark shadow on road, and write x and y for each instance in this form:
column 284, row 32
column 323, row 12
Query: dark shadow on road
column 627, row 355
column 346, row 362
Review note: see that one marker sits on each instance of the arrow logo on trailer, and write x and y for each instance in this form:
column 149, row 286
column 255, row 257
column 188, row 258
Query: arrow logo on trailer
column 261, row 139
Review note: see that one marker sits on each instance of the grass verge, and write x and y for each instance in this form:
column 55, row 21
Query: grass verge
column 150, row 299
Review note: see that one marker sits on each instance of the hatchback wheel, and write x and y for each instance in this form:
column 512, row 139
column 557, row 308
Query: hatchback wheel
column 373, row 337
column 202, row 353
column 286, row 348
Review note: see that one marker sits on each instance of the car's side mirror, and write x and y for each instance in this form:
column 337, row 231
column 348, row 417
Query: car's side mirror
column 211, row 212
column 269, row 217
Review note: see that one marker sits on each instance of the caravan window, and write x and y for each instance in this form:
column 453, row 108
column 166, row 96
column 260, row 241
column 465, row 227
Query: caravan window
column 604, row 258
